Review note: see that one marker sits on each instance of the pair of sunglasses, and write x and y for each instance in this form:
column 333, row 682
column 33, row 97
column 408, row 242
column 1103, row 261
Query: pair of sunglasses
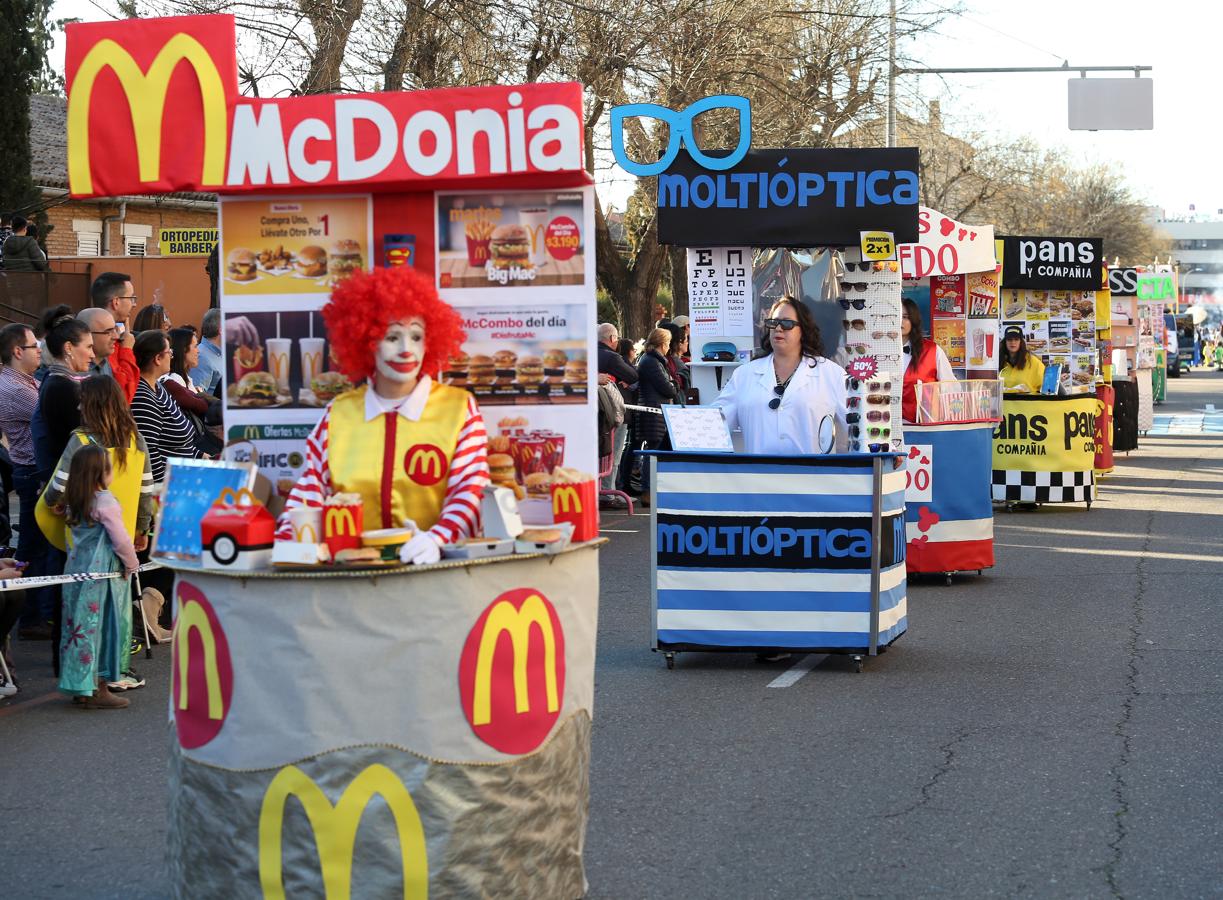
column 846, row 303
column 878, row 448
column 852, row 402
column 778, row 389
column 876, row 385
column 873, row 415
column 860, row 286
column 874, row 431
column 855, row 324
column 878, row 335
column 892, row 266
column 858, row 266
column 858, row 348
column 783, row 324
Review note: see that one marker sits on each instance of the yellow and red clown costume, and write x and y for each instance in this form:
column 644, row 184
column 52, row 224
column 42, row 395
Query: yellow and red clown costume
column 424, row 457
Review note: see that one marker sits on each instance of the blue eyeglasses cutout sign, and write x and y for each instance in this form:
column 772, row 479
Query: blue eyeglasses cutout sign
column 679, row 125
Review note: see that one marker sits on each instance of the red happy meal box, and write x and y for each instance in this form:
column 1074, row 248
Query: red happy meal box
column 237, row 531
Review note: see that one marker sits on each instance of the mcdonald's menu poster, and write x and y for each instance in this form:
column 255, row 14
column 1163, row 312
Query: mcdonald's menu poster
column 720, row 291
column 511, row 240
column 276, row 360
column 292, row 245
column 278, row 450
column 525, row 356
column 949, row 334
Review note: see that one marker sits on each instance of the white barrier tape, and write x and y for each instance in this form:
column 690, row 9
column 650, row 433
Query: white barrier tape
column 649, row 409
column 17, row 584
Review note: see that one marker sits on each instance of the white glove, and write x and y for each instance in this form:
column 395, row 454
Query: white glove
column 421, row 550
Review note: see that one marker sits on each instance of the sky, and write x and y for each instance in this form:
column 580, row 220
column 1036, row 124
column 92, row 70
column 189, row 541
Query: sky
column 1171, row 167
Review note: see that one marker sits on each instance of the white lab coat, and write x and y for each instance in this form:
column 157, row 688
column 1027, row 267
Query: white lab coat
column 793, row 428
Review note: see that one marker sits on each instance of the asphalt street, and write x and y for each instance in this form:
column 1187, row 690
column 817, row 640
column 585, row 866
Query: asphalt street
column 1049, row 729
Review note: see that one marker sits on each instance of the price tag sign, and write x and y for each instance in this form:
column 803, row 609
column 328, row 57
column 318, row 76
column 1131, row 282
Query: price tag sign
column 878, row 245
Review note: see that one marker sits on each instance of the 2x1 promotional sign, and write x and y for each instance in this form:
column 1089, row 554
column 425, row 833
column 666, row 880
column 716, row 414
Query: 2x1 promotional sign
column 790, row 198
column 1052, row 263
column 947, row 247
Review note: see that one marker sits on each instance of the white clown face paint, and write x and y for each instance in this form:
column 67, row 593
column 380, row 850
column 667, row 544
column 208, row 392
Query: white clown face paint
column 401, row 352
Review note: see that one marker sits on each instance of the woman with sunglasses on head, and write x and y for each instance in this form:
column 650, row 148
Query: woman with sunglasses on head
column 923, row 360
column 787, row 401
column 1020, row 371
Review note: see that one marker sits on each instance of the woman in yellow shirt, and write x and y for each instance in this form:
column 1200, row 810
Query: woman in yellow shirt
column 1020, row 371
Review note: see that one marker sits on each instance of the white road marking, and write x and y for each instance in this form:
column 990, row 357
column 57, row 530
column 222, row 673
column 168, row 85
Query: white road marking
column 791, row 675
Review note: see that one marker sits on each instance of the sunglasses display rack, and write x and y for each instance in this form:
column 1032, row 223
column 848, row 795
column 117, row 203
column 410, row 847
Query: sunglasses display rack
column 869, row 299
column 870, row 413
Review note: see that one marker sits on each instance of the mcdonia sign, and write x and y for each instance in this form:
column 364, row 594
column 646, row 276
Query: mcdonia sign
column 167, row 89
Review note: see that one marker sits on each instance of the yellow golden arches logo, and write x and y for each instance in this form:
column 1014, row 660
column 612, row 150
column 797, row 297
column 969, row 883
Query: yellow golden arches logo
column 305, row 533
column 566, row 499
column 504, row 617
column 425, row 464
column 252, row 433
column 202, row 680
column 146, row 98
column 339, row 522
column 335, row 830
column 192, row 615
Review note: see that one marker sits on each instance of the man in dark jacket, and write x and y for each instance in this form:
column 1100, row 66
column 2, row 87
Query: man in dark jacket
column 614, row 367
column 21, row 252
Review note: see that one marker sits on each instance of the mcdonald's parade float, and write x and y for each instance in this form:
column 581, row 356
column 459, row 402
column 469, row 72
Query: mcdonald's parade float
column 387, row 588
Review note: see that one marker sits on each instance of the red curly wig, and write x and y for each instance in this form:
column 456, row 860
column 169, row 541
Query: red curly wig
column 365, row 304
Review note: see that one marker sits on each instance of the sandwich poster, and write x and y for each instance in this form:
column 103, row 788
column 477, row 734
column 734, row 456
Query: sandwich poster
column 276, row 360
column 292, row 245
column 524, row 356
column 534, row 239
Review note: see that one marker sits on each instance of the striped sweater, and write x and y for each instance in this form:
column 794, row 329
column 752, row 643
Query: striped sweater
column 163, row 426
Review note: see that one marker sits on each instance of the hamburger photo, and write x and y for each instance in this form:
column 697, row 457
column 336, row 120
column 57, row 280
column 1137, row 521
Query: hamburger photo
column 256, row 389
column 326, row 386
column 480, row 370
column 311, row 261
column 554, row 361
column 241, row 265
column 505, row 359
column 510, row 246
column 530, row 371
column 575, row 371
column 345, row 258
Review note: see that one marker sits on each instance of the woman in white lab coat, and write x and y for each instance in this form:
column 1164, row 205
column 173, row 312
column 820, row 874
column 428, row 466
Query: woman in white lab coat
column 790, row 401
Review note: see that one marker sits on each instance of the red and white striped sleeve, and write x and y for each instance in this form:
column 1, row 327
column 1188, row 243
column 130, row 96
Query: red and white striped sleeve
column 460, row 516
column 314, row 485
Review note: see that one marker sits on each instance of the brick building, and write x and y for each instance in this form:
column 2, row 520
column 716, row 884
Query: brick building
column 119, row 226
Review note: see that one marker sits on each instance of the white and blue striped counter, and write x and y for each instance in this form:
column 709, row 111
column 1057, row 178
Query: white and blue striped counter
column 769, row 552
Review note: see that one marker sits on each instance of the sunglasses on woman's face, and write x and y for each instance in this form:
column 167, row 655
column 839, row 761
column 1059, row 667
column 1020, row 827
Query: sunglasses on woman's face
column 873, row 431
column 857, row 303
column 855, row 324
column 778, row 389
column 858, row 267
column 853, row 402
column 872, row 415
column 783, row 324
column 860, row 286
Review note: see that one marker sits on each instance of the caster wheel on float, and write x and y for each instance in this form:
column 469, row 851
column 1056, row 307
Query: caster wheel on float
column 857, row 663
column 947, row 579
column 670, row 660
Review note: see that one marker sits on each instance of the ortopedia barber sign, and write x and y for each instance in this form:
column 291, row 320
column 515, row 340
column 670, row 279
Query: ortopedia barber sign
column 186, row 241
column 153, row 106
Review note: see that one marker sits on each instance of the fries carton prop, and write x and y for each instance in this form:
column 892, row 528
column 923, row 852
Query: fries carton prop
column 575, row 499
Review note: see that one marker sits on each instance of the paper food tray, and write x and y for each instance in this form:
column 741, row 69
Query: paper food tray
column 479, row 549
column 566, row 530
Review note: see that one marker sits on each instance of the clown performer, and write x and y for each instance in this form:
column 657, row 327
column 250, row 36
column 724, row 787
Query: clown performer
column 389, row 328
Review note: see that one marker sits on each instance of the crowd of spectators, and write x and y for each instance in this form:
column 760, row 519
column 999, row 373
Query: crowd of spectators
column 123, row 380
